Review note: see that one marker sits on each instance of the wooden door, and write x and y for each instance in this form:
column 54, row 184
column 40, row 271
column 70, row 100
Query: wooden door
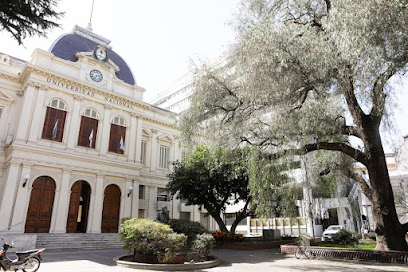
column 111, row 209
column 78, row 218
column 73, row 207
column 40, row 208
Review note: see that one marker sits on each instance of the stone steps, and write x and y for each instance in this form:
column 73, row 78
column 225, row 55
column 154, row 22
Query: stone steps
column 66, row 241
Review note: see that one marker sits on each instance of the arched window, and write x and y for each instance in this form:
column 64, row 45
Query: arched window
column 88, row 129
column 54, row 120
column 117, row 135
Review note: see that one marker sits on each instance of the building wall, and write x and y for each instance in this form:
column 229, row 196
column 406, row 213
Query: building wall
column 26, row 89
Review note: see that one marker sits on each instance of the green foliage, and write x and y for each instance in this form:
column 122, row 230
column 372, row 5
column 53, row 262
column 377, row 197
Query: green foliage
column 24, row 18
column 227, row 237
column 305, row 76
column 212, row 178
column 346, row 237
column 203, row 245
column 190, row 228
column 363, row 245
column 150, row 237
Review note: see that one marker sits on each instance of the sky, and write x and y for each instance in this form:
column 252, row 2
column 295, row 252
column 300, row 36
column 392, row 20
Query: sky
column 158, row 39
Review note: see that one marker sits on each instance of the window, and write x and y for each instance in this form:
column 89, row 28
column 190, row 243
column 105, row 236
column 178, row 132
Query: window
column 143, row 153
column 117, row 135
column 162, row 195
column 164, row 157
column 88, row 129
column 141, row 192
column 54, row 121
column 141, row 213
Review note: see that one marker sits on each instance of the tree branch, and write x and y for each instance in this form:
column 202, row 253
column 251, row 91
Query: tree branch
column 341, row 147
column 363, row 184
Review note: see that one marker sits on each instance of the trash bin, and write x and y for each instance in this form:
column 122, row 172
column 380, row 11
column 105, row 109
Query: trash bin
column 305, row 239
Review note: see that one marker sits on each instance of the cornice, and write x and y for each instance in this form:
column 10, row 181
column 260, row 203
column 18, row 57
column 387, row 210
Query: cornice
column 35, row 69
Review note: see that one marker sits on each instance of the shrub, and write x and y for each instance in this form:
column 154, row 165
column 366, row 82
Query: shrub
column 203, row 245
column 345, row 237
column 372, row 236
column 149, row 237
column 187, row 227
column 227, row 237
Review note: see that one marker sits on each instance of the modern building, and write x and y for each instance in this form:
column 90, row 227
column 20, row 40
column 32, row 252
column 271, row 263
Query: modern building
column 79, row 148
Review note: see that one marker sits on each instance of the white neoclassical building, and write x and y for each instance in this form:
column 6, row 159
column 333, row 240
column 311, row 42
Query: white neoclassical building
column 79, row 149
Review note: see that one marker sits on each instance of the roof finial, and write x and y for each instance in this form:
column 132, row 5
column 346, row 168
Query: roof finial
column 90, row 19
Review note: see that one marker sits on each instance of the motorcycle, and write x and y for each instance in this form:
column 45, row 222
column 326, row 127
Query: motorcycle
column 27, row 261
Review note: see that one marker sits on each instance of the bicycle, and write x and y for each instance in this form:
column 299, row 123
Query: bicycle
column 302, row 249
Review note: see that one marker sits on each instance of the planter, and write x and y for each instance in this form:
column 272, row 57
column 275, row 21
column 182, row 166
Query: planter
column 180, row 258
column 126, row 261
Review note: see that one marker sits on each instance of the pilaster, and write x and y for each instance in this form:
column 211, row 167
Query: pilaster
column 63, row 196
column 23, row 198
column 36, row 126
column 105, row 130
column 26, row 109
column 75, row 121
column 98, row 206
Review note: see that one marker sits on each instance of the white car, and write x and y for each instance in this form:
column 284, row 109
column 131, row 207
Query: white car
column 330, row 231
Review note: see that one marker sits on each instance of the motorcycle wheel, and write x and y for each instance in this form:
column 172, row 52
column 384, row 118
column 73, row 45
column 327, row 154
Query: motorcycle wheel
column 32, row 265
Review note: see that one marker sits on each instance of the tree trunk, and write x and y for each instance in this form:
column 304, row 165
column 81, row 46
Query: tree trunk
column 240, row 216
column 389, row 232
column 220, row 222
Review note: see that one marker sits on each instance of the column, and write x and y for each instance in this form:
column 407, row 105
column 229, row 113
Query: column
column 154, row 152
column 63, row 195
column 139, row 138
column 98, row 206
column 127, row 212
column 75, row 121
column 36, row 125
column 152, row 206
column 11, row 182
column 105, row 130
column 25, row 117
column 135, row 199
column 132, row 138
column 23, row 199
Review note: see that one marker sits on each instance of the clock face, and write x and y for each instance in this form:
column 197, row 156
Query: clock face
column 96, row 75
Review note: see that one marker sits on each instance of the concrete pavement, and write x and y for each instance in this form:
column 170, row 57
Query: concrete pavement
column 231, row 261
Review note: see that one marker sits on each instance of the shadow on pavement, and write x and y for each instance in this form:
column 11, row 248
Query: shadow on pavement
column 101, row 256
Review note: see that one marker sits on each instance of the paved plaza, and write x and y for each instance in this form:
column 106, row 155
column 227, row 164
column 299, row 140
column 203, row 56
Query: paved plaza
column 231, row 261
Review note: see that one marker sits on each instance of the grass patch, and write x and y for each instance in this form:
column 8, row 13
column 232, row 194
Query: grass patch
column 361, row 245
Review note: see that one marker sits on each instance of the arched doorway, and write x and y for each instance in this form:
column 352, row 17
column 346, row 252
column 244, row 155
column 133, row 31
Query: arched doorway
column 111, row 209
column 40, row 208
column 78, row 207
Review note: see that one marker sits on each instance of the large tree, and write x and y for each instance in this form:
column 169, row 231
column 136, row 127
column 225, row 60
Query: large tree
column 213, row 179
column 24, row 18
column 307, row 75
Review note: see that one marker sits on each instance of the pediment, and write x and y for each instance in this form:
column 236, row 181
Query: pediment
column 165, row 138
column 90, row 56
column 5, row 97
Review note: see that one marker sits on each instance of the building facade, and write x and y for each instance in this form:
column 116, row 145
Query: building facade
column 79, row 149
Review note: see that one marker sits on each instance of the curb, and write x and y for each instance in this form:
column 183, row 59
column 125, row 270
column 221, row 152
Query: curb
column 167, row 267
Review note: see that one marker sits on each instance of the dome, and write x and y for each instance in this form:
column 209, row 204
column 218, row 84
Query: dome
column 82, row 40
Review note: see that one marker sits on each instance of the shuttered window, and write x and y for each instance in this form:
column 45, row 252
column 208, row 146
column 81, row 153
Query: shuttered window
column 164, row 157
column 143, row 153
column 88, row 128
column 54, row 121
column 117, row 136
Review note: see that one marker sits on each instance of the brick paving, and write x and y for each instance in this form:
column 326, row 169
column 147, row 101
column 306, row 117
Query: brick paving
column 231, row 261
